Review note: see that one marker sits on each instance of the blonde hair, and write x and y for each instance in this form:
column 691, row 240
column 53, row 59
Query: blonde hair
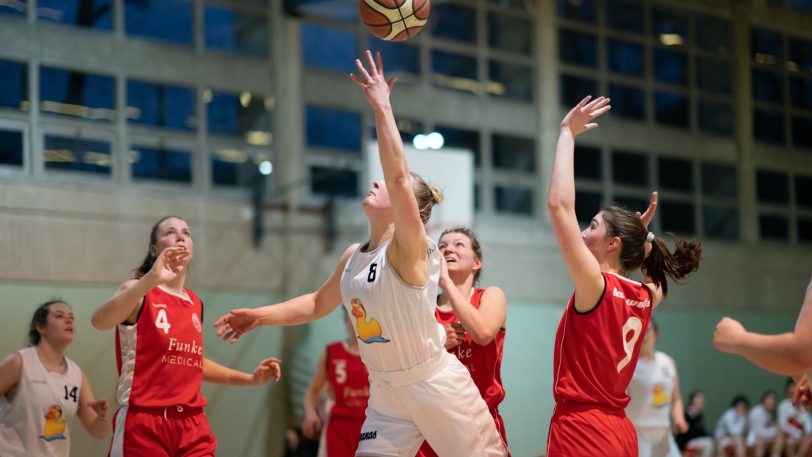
column 427, row 195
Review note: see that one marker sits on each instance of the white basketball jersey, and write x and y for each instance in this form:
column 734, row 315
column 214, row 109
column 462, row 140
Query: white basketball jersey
column 394, row 322
column 650, row 391
column 36, row 420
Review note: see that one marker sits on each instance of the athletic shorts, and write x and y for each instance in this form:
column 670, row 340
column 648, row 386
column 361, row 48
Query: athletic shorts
column 436, row 401
column 427, row 451
column 656, row 442
column 161, row 432
column 341, row 436
column 589, row 431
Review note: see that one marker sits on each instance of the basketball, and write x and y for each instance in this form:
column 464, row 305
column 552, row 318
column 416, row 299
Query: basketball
column 394, row 20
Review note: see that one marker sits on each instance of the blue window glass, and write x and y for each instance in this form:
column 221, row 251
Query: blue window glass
column 510, row 33
column 675, row 174
column 773, row 227
column 768, row 126
column 672, row 109
column 767, row 86
column 800, row 93
column 804, row 230
column 235, row 32
column 16, row 8
column 578, row 10
column 94, row 14
column 453, row 22
column 454, row 71
column 398, row 57
column 75, row 154
column 803, row 191
column 802, row 131
column 626, row 16
column 714, row 34
column 800, row 53
column 574, row 89
column 715, row 76
column 161, row 105
column 678, row 217
column 630, row 203
column 161, row 164
column 587, row 205
column 342, row 11
column 245, row 114
column 327, row 48
column 13, row 85
column 333, row 182
column 716, row 117
column 578, row 48
column 670, row 28
column 511, row 80
column 167, row 20
column 462, row 139
column 628, row 102
column 233, row 168
column 588, row 163
column 514, row 153
column 766, row 46
column 334, row 129
column 512, row 200
column 721, row 222
column 719, row 180
column 630, row 169
column 803, row 5
column 11, row 148
column 772, row 187
column 79, row 94
column 626, row 58
column 671, row 67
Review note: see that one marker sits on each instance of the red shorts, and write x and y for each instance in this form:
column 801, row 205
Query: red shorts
column 589, row 430
column 161, row 432
column 342, row 436
column 426, row 450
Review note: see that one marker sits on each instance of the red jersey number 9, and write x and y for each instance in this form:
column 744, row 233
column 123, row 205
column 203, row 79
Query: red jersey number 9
column 633, row 325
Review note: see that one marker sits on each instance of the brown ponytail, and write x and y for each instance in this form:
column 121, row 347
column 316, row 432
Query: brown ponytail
column 677, row 265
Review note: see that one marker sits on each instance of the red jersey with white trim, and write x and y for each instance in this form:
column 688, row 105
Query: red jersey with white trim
column 349, row 380
column 483, row 362
column 160, row 358
column 596, row 352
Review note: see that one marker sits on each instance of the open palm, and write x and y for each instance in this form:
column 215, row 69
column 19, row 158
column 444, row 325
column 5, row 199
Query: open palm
column 579, row 119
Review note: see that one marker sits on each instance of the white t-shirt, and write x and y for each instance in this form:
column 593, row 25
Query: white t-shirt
column 650, row 391
column 731, row 424
column 795, row 421
column 35, row 421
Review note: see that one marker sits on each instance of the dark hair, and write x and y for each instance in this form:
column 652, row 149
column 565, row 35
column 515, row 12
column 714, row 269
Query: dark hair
column 767, row 393
column 40, row 318
column 741, row 398
column 149, row 260
column 693, row 395
column 660, row 262
column 475, row 246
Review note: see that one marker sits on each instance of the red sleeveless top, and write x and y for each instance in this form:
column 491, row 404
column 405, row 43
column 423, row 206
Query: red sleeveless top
column 349, row 380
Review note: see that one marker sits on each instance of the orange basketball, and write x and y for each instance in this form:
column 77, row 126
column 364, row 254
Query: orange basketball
column 394, row 20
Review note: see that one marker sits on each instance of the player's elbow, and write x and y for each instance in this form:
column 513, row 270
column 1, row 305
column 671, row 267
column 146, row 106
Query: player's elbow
column 97, row 321
column 482, row 337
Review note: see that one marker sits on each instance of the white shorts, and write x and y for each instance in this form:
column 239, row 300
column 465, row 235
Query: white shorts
column 437, row 401
column 656, row 442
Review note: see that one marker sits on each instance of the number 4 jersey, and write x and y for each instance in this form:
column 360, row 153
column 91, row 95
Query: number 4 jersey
column 596, row 352
column 160, row 357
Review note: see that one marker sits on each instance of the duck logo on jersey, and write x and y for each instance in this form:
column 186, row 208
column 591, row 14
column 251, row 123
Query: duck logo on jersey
column 368, row 331
column 659, row 397
column 196, row 322
column 55, row 424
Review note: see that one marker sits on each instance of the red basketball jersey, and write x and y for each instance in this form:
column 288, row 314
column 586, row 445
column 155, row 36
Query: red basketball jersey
column 483, row 362
column 596, row 352
column 349, row 380
column 160, row 358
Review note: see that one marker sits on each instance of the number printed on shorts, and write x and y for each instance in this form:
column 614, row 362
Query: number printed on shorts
column 373, row 269
column 341, row 371
column 634, row 325
column 72, row 394
column 162, row 322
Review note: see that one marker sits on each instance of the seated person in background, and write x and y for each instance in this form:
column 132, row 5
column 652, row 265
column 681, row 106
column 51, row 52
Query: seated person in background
column 795, row 425
column 732, row 426
column 696, row 441
column 763, row 432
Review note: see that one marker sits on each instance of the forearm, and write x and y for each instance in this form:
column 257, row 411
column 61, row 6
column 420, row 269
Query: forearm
column 477, row 326
column 677, row 410
column 784, row 354
column 99, row 427
column 119, row 307
column 562, row 185
column 310, row 400
column 295, row 311
column 390, row 146
column 215, row 373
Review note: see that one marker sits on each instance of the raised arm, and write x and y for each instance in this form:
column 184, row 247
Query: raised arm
column 584, row 269
column 311, row 424
column 408, row 251
column 299, row 310
column 785, row 354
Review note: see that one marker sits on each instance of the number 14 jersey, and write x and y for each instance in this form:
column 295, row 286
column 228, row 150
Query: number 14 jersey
column 596, row 352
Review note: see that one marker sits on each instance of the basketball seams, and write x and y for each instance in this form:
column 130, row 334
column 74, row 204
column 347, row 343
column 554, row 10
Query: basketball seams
column 394, row 23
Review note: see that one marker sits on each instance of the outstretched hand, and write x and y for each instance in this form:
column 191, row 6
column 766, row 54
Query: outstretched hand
column 237, row 323
column 269, row 369
column 376, row 86
column 579, row 119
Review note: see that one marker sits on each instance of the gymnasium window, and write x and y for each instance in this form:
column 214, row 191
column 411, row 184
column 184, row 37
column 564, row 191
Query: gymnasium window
column 161, row 105
column 802, row 131
column 235, row 167
column 94, row 14
column 510, row 80
column 161, row 164
column 512, row 153
column 13, row 85
column 624, row 16
column 575, row 88
column 805, row 230
column 578, row 48
column 587, row 205
column 772, row 187
column 626, row 58
column 235, row 31
column 768, row 126
column 17, row 8
column 77, row 94
column 333, row 181
column 803, row 191
column 401, row 58
column 333, row 129
column 630, row 169
column 677, row 217
column 578, row 10
column 632, row 203
column 627, row 101
column 716, row 117
column 768, row 86
column 510, row 33
column 801, row 5
column 343, row 48
column 714, row 35
column 672, row 109
column 453, row 22
column 455, row 71
column 588, row 163
column 77, row 155
column 11, row 148
column 671, row 67
column 675, row 174
column 514, row 200
column 773, row 227
column 719, row 180
column 166, row 20
column 670, row 28
column 721, row 222
column 462, row 139
column 800, row 90
column 245, row 115
column 338, row 11
column 714, row 75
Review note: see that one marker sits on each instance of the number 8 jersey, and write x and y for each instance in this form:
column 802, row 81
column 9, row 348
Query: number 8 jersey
column 596, row 352
column 160, row 357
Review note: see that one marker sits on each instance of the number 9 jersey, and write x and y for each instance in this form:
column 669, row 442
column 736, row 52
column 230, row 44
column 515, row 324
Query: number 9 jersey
column 596, row 352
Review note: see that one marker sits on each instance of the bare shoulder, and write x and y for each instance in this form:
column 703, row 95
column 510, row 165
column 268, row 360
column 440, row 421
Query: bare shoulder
column 12, row 361
column 494, row 293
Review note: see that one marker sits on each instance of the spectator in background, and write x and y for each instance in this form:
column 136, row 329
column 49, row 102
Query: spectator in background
column 732, row 427
column 696, row 440
column 763, row 432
